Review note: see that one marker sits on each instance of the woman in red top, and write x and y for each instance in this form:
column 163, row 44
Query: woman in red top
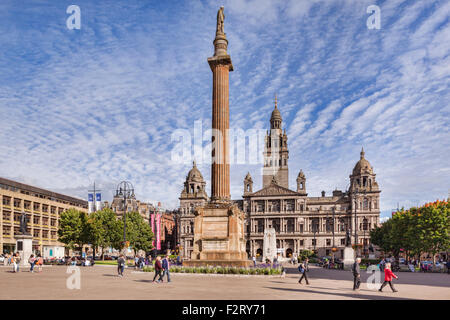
column 388, row 274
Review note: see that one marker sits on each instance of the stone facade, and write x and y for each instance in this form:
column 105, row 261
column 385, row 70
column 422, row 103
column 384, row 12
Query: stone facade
column 43, row 209
column 193, row 195
column 300, row 221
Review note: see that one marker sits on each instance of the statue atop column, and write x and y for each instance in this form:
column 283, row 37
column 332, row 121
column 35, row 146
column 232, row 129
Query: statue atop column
column 220, row 19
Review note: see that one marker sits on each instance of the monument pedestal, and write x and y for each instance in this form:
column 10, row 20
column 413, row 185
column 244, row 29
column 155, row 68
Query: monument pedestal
column 349, row 258
column 219, row 237
column 24, row 245
column 269, row 245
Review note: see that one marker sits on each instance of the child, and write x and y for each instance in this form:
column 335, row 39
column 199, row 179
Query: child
column 388, row 274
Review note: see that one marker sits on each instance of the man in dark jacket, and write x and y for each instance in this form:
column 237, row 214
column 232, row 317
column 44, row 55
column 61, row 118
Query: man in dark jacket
column 166, row 267
column 302, row 270
column 356, row 274
column 120, row 265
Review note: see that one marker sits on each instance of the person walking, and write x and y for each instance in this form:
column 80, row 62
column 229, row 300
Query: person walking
column 120, row 265
column 16, row 263
column 166, row 268
column 254, row 261
column 158, row 268
column 356, row 274
column 448, row 266
column 302, row 270
column 39, row 262
column 388, row 274
column 32, row 261
column 307, row 264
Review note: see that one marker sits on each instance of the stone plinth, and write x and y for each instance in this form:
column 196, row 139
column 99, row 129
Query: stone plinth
column 269, row 244
column 219, row 236
column 24, row 245
column 349, row 258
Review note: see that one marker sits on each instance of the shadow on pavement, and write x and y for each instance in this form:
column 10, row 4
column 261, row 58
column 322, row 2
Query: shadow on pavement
column 427, row 279
column 355, row 295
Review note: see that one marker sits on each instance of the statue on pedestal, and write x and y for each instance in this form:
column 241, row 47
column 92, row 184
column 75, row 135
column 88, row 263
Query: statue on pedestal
column 348, row 241
column 23, row 223
column 220, row 19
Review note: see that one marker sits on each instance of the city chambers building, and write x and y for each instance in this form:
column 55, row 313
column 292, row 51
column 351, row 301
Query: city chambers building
column 42, row 208
column 301, row 222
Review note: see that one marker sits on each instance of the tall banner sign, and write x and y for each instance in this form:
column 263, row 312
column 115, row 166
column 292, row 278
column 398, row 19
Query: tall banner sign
column 98, row 201
column 152, row 224
column 158, row 231
column 90, row 202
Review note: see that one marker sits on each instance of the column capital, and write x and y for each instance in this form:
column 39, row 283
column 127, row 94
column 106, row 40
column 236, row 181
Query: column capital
column 224, row 60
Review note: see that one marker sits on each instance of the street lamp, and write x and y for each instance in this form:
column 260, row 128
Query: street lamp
column 334, row 247
column 356, row 221
column 125, row 190
column 315, row 225
column 365, row 225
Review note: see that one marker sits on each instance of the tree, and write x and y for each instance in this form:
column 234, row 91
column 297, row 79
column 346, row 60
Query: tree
column 138, row 232
column 418, row 230
column 104, row 230
column 72, row 229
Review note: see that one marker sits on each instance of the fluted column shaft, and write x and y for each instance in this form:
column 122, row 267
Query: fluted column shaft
column 220, row 168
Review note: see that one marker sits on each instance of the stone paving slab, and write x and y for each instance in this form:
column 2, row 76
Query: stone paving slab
column 102, row 283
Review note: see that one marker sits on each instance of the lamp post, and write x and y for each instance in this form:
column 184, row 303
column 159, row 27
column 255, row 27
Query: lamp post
column 355, row 192
column 334, row 247
column 365, row 225
column 314, row 232
column 125, row 190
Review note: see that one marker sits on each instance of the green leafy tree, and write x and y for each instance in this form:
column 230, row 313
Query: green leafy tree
column 104, row 230
column 138, row 232
column 72, row 229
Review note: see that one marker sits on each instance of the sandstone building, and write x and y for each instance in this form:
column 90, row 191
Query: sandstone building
column 43, row 209
column 301, row 221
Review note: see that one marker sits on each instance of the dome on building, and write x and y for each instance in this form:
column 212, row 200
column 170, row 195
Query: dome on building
column 195, row 174
column 276, row 115
column 362, row 166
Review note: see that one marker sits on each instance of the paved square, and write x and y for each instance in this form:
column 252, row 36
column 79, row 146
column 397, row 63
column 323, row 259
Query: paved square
column 101, row 282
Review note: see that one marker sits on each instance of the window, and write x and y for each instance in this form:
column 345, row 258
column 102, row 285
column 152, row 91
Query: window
column 328, row 243
column 301, row 243
column 17, row 203
column 342, row 242
column 6, row 201
column 313, row 242
column 301, row 229
column 36, row 206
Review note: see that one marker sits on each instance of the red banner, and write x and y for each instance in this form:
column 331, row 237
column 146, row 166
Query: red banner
column 158, row 231
column 152, row 223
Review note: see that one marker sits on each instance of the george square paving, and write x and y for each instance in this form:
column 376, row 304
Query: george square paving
column 102, row 282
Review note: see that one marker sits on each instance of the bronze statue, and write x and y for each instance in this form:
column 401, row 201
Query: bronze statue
column 348, row 241
column 220, row 19
column 23, row 223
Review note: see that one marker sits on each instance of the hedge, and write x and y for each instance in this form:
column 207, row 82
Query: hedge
column 220, row 270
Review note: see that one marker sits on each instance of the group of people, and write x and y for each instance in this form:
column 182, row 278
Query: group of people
column 162, row 267
column 15, row 259
column 388, row 275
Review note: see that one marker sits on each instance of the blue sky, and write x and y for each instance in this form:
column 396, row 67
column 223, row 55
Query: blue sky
column 100, row 103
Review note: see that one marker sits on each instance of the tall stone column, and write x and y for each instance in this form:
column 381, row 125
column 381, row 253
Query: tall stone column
column 221, row 66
